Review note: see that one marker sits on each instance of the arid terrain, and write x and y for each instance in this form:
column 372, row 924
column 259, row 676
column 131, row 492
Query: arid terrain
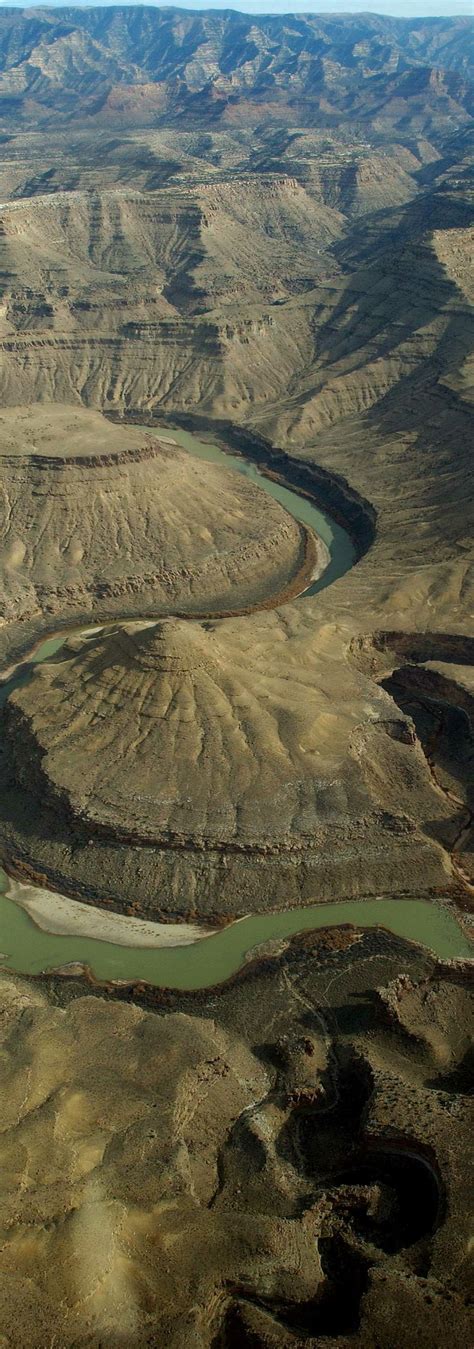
column 94, row 513
column 284, row 1165
column 257, row 231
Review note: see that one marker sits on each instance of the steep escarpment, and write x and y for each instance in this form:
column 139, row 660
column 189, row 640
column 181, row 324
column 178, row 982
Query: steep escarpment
column 95, row 514
column 346, row 173
column 211, row 773
column 259, row 229
column 165, row 64
column 296, row 1146
column 136, row 298
column 242, row 300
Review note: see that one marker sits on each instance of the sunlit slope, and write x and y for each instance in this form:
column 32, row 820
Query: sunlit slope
column 230, row 297
column 155, row 65
column 93, row 514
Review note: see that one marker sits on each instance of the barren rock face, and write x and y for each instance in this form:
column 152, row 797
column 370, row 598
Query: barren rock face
column 258, row 230
column 159, row 66
column 93, row 513
column 168, row 733
column 206, row 765
column 247, row 1172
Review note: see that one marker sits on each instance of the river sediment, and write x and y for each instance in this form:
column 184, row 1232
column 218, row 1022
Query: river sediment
column 85, row 925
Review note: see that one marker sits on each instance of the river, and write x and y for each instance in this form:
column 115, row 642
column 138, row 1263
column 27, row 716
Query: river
column 29, row 949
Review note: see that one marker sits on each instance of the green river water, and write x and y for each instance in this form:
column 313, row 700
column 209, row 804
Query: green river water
column 27, row 949
column 339, row 543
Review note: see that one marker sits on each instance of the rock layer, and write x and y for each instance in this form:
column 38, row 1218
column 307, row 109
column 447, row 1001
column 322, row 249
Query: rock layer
column 266, row 1168
column 213, row 776
column 93, row 513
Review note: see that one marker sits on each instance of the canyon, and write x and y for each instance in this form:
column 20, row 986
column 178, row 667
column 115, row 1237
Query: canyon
column 236, row 655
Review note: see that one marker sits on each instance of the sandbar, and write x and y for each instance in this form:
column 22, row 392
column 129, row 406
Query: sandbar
column 65, row 917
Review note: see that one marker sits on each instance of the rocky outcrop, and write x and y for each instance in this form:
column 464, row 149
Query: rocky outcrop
column 199, row 774
column 161, row 64
column 95, row 514
column 301, row 1169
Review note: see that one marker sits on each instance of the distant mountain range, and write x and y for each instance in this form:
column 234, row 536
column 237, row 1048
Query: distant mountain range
column 153, row 66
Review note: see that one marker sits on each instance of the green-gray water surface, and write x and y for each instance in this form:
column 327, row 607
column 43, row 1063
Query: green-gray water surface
column 28, row 950
column 24, row 947
column 341, row 548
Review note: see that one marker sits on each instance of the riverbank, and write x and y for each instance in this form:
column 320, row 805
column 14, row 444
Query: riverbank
column 123, row 946
column 331, row 492
column 63, row 917
column 213, row 958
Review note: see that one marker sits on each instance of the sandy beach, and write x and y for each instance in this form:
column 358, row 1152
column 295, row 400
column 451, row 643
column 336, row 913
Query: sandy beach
column 66, row 917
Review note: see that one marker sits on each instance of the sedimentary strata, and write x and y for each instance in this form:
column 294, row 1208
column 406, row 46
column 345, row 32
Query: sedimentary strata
column 260, row 229
column 98, row 515
column 283, row 1164
column 211, row 782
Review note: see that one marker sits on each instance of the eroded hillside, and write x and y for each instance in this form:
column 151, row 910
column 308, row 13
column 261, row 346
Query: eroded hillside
column 259, row 230
column 151, row 64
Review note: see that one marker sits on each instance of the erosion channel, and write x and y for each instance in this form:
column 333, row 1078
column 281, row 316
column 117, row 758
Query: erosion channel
column 33, row 938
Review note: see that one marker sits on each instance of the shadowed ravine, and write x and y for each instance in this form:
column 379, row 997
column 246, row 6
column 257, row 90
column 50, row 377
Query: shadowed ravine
column 190, row 963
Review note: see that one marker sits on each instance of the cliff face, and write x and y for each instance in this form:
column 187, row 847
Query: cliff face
column 256, row 228
column 154, row 64
column 93, row 513
column 292, row 1172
